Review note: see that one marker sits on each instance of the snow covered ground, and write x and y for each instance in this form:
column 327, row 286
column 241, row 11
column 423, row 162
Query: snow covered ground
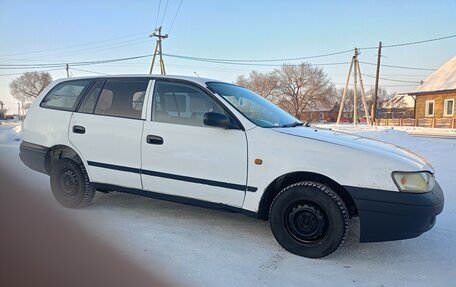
column 200, row 247
column 414, row 131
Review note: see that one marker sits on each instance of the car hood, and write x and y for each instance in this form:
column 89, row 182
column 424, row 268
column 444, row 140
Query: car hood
column 360, row 143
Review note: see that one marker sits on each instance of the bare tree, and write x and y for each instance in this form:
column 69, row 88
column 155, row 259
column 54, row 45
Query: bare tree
column 264, row 84
column 29, row 85
column 295, row 88
column 303, row 87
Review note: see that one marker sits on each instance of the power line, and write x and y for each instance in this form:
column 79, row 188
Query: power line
column 15, row 74
column 259, row 60
column 393, row 80
column 401, row 67
column 131, row 42
column 74, row 46
column 420, row 42
column 384, row 85
column 175, row 16
column 158, row 13
column 50, row 65
column 243, row 63
column 164, row 12
column 87, row 71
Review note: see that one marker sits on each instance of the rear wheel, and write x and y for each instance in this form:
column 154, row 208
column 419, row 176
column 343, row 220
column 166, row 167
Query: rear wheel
column 309, row 219
column 70, row 183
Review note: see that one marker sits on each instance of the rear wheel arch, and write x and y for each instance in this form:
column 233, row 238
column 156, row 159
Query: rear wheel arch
column 283, row 181
column 62, row 151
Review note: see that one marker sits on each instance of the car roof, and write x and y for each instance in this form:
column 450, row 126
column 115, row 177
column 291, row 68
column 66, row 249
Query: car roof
column 201, row 81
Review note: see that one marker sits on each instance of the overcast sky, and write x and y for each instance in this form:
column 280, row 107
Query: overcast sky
column 70, row 31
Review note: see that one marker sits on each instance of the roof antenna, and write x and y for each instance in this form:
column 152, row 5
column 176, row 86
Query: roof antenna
column 198, row 76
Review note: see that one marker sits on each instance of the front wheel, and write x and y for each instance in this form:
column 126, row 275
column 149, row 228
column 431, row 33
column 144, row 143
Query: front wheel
column 309, row 219
column 70, row 183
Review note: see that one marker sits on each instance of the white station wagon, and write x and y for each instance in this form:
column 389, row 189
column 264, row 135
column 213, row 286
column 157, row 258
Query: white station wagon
column 214, row 144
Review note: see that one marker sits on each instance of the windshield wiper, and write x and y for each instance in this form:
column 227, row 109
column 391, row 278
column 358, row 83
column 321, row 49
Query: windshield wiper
column 292, row 125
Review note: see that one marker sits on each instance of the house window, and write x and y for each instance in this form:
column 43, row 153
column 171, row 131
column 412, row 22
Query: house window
column 448, row 107
column 429, row 109
column 322, row 116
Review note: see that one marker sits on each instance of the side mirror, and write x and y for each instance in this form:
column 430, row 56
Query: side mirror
column 216, row 120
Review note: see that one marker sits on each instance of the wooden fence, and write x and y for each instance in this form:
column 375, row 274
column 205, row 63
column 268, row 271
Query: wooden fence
column 449, row 123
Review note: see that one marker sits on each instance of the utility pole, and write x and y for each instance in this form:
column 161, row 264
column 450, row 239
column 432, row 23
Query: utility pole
column 158, row 50
column 68, row 70
column 355, row 102
column 377, row 75
column 354, row 65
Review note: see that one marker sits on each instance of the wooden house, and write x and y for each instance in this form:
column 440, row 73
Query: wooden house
column 435, row 98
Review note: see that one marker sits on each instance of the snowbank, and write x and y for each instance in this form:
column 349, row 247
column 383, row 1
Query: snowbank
column 10, row 133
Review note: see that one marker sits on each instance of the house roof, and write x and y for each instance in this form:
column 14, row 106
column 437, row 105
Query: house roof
column 443, row 79
column 399, row 101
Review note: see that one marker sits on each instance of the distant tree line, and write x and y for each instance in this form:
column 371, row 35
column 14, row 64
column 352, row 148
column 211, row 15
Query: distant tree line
column 295, row 88
column 303, row 88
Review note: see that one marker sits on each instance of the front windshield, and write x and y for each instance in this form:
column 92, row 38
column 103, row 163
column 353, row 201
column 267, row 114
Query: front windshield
column 256, row 108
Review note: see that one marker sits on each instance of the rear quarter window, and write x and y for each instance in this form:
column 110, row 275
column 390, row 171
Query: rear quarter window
column 66, row 95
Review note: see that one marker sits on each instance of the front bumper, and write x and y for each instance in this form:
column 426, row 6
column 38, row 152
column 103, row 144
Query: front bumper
column 388, row 215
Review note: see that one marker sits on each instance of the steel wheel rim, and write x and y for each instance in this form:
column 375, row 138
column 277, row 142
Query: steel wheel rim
column 69, row 183
column 306, row 222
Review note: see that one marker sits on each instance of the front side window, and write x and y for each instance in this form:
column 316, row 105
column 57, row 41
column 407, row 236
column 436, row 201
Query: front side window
column 256, row 108
column 122, row 98
column 448, row 107
column 65, row 95
column 429, row 108
column 180, row 103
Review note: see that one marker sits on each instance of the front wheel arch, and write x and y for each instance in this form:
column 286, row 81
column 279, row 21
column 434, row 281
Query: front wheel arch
column 281, row 182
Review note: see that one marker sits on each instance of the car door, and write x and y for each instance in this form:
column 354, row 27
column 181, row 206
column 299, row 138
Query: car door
column 107, row 129
column 183, row 157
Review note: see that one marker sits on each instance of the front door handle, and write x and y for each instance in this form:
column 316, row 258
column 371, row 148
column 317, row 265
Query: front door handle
column 151, row 139
column 79, row 130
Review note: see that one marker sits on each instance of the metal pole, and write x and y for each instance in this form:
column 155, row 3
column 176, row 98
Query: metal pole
column 363, row 95
column 355, row 112
column 377, row 76
column 342, row 101
column 67, row 70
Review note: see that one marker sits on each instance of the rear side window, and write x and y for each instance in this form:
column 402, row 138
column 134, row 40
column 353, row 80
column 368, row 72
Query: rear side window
column 122, row 98
column 90, row 100
column 65, row 95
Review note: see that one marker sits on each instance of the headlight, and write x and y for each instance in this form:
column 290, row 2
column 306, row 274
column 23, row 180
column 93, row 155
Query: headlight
column 416, row 182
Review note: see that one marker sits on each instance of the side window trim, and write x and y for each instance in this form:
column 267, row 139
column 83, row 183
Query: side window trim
column 198, row 87
column 147, row 105
column 78, row 100
column 86, row 94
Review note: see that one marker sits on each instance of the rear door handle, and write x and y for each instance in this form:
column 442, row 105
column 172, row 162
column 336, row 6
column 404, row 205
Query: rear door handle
column 151, row 139
column 79, row 130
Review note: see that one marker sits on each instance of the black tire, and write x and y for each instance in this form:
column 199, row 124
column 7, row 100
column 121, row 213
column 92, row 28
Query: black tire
column 70, row 183
column 309, row 219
